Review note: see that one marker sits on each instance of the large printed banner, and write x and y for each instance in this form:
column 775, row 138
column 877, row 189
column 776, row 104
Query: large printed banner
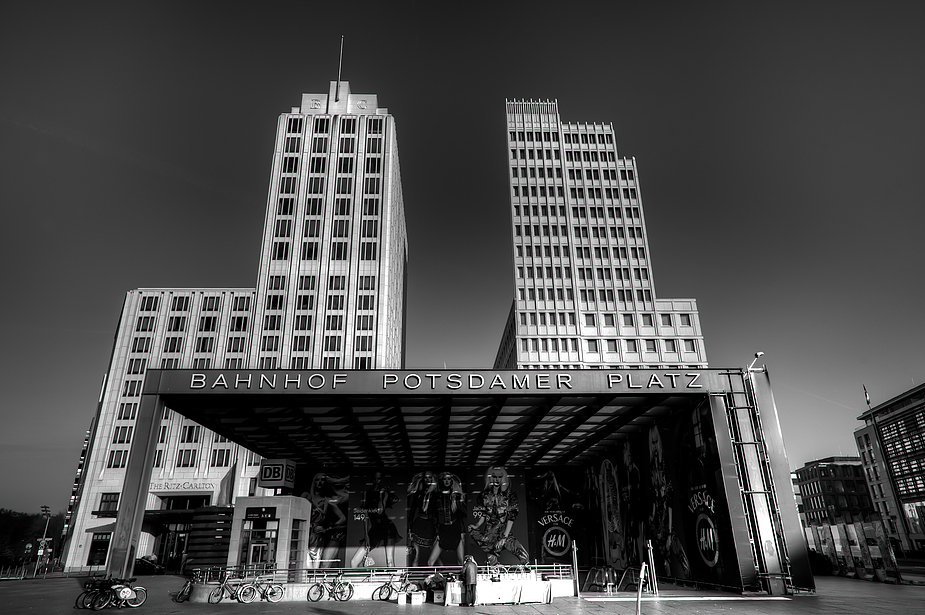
column 664, row 485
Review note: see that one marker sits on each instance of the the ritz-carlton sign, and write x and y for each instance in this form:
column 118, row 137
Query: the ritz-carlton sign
column 451, row 382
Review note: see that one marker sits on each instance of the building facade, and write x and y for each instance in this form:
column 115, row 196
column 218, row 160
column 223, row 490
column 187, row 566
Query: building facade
column 833, row 490
column 892, row 448
column 330, row 294
column 584, row 286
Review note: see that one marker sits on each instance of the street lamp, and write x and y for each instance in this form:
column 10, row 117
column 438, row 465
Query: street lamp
column 46, row 512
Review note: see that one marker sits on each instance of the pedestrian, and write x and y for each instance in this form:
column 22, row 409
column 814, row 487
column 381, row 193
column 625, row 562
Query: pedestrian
column 470, row 576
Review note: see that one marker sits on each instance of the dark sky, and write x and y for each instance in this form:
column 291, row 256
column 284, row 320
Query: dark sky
column 781, row 148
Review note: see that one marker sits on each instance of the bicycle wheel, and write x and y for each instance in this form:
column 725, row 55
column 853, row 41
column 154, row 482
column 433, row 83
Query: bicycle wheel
column 275, row 593
column 141, row 594
column 316, row 592
column 247, row 593
column 383, row 592
column 216, row 595
column 78, row 603
column 101, row 600
column 87, row 598
column 343, row 591
column 183, row 594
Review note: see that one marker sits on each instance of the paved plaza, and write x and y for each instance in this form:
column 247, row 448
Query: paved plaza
column 833, row 595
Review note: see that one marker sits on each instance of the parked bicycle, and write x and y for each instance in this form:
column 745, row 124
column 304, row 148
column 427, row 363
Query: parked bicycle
column 184, row 593
column 236, row 589
column 392, row 587
column 265, row 588
column 119, row 593
column 91, row 588
column 337, row 588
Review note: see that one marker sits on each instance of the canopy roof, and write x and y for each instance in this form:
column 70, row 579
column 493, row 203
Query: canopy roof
column 412, row 419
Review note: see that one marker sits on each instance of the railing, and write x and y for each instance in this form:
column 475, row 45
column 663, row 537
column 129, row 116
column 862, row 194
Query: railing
column 417, row 574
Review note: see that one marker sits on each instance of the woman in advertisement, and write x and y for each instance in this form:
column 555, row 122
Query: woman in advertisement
column 450, row 514
column 379, row 529
column 422, row 517
column 496, row 512
column 328, row 522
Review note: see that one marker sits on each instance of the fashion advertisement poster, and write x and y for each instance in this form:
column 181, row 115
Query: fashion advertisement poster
column 665, row 486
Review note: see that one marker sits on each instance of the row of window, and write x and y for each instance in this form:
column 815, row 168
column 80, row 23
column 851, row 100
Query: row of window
column 553, row 344
column 583, row 273
column 577, row 212
column 340, row 250
column 607, row 320
column 634, row 233
column 315, row 205
column 587, row 296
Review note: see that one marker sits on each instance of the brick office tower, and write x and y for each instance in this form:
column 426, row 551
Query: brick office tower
column 330, row 294
column 584, row 286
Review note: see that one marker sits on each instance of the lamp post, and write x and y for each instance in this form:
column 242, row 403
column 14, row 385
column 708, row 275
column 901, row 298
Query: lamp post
column 46, row 512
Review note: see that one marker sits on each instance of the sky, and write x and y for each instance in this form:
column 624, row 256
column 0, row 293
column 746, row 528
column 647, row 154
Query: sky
column 780, row 145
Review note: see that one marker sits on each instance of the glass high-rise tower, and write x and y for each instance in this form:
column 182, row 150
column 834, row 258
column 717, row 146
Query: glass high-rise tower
column 330, row 294
column 583, row 281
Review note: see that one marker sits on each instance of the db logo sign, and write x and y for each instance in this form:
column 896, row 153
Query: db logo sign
column 276, row 473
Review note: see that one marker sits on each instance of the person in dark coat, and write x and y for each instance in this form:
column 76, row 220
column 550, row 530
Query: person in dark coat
column 470, row 576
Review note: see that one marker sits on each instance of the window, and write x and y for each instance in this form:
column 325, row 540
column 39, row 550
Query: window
column 307, row 282
column 301, row 343
column 131, row 388
column 141, row 344
column 205, row 344
column 589, row 320
column 190, row 433
column 309, row 250
column 368, row 251
column 275, row 301
column 280, row 250
column 221, row 458
column 117, row 459
column 270, row 342
column 186, row 458
column 651, row 346
column 666, row 320
column 180, row 304
column 671, row 346
column 632, row 346
column 127, row 411
column 685, row 320
column 332, row 343
column 145, row 323
column 646, row 320
column 339, row 251
column 363, row 343
column 236, row 344
column 628, row 320
column 109, row 502
column 592, row 346
column 122, row 435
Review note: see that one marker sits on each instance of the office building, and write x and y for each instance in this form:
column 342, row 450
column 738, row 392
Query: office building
column 892, row 448
column 330, row 294
column 832, row 490
column 583, row 280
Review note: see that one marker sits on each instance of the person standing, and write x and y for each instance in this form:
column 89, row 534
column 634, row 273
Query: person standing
column 470, row 576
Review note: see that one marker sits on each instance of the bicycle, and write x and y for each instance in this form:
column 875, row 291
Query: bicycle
column 91, row 588
column 385, row 591
column 187, row 588
column 119, row 593
column 337, row 589
column 240, row 591
column 265, row 588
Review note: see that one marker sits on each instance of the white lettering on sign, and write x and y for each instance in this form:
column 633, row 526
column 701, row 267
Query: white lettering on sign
column 466, row 381
column 187, row 485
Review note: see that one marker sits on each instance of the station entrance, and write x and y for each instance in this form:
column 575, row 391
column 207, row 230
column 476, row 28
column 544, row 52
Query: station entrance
column 419, row 468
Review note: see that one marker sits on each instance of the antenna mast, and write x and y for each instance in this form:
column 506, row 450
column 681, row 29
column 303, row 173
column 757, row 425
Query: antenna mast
column 340, row 64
